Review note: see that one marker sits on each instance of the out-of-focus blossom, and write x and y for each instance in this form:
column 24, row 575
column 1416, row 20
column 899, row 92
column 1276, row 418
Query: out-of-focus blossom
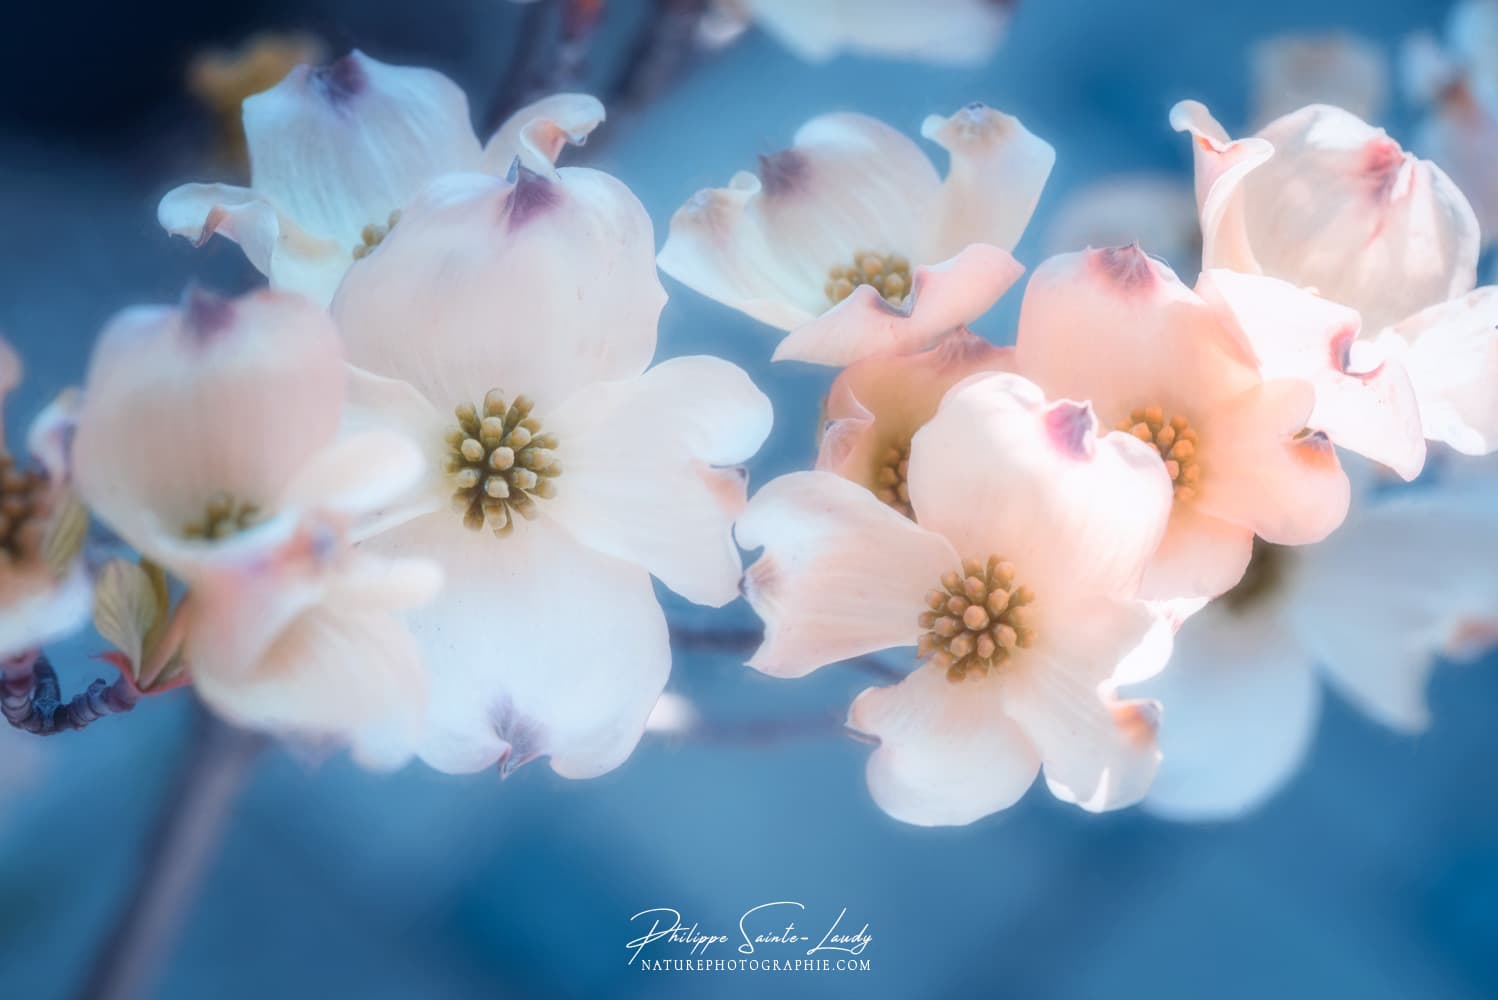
column 222, row 79
column 1015, row 579
column 1328, row 203
column 207, row 441
column 44, row 588
column 958, row 32
column 507, row 325
column 1156, row 211
column 1457, row 81
column 1411, row 576
column 850, row 240
column 1155, row 360
column 876, row 405
column 1292, row 71
column 336, row 153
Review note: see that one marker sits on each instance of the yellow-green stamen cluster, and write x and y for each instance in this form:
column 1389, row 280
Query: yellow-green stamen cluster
column 976, row 619
column 22, row 512
column 500, row 462
column 372, row 235
column 222, row 516
column 1175, row 440
column 891, row 483
column 888, row 273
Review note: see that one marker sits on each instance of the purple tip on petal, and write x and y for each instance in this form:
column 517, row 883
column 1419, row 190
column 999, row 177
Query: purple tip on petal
column 532, row 195
column 341, row 80
column 1071, row 428
column 206, row 315
column 1128, row 267
column 781, row 172
column 522, row 736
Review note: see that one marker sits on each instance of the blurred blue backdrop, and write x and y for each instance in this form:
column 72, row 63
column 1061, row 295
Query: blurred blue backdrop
column 1374, row 875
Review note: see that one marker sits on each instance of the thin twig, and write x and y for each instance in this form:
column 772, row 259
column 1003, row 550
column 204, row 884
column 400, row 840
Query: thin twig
column 31, row 698
column 180, row 850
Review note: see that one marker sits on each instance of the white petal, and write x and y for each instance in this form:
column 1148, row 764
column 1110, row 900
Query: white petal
column 533, row 286
column 947, row 753
column 341, row 147
column 632, row 454
column 538, row 132
column 841, row 574
column 1450, row 352
column 1221, row 166
column 993, row 183
column 537, row 646
column 37, row 607
column 1461, row 135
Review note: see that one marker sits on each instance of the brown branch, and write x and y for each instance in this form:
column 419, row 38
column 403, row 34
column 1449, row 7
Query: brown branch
column 31, row 698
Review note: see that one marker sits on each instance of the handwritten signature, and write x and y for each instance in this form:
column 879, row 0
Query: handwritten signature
column 758, row 926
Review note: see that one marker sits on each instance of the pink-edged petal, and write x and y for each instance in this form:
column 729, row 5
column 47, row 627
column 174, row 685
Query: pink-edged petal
column 942, row 297
column 1221, row 167
column 221, row 396
column 943, row 32
column 999, row 471
column 1200, row 556
column 998, row 169
column 1364, row 404
column 1240, row 701
column 1291, row 71
column 341, row 147
column 879, row 403
column 764, row 245
column 633, row 454
column 538, row 132
column 1450, row 352
column 1157, row 211
column 1284, row 485
column 279, row 248
column 1381, row 598
column 537, row 646
column 535, row 286
column 1096, row 750
column 947, row 753
column 841, row 574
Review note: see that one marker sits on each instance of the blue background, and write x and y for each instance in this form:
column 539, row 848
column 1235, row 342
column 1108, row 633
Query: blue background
column 1374, row 875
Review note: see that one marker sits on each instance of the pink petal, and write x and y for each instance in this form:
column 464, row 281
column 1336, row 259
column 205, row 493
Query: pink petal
column 538, row 132
column 1200, row 556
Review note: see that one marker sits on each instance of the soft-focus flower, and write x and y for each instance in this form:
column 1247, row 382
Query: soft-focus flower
column 850, row 240
column 1156, row 211
column 1328, row 203
column 1154, row 359
column 876, row 405
column 336, row 153
column 207, row 441
column 958, row 32
column 1292, row 71
column 508, row 326
column 1411, row 576
column 44, row 588
column 221, row 80
column 1015, row 579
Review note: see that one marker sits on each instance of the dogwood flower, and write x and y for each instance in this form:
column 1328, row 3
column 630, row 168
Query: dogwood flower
column 955, row 32
column 335, row 154
column 1326, row 202
column 851, row 241
column 1118, row 329
column 207, row 441
column 1292, row 71
column 1015, row 579
column 44, row 588
column 507, row 326
column 1411, row 576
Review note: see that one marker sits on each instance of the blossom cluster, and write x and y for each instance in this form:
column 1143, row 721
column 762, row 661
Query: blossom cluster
column 412, row 496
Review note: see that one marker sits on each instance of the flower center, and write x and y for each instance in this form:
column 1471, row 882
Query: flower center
column 1175, row 440
column 977, row 618
column 22, row 513
column 500, row 462
column 891, row 478
column 888, row 273
column 373, row 234
column 222, row 516
column 1265, row 574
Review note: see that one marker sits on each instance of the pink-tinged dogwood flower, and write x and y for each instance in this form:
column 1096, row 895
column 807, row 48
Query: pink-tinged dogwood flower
column 208, row 439
column 1015, row 580
column 876, row 406
column 1118, row 329
column 1330, row 204
column 851, row 241
column 944, row 32
column 44, row 589
column 1292, row 71
column 1410, row 577
column 508, row 327
column 336, row 152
